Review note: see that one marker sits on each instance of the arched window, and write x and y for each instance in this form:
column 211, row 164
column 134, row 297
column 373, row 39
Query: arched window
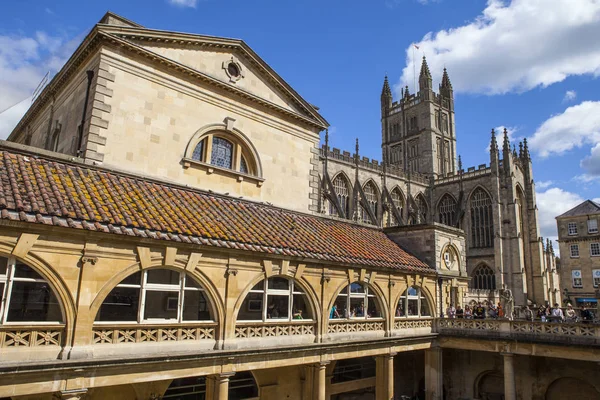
column 342, row 191
column 241, row 386
column 26, row 296
column 356, row 301
column 156, row 295
column 446, row 210
column 280, row 300
column 483, row 278
column 413, row 304
column 482, row 223
column 225, row 150
column 398, row 200
column 371, row 198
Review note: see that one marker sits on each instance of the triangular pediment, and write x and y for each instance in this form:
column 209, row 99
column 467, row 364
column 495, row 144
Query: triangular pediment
column 212, row 57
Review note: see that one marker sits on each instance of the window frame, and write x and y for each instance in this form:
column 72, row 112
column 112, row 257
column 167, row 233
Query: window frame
column 420, row 297
column 574, row 247
column 575, row 279
column 597, row 254
column 596, row 277
column 574, row 231
column 144, row 287
column 595, row 222
column 289, row 292
column 365, row 295
column 8, row 279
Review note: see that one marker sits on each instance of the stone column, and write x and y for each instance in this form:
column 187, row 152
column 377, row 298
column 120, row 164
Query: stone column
column 434, row 383
column 320, row 381
column 510, row 390
column 217, row 386
column 385, row 377
column 73, row 394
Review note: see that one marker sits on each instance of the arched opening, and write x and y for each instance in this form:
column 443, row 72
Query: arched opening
column 360, row 371
column 342, row 191
column 276, row 299
column 398, row 203
column 564, row 388
column 26, row 296
column 413, row 304
column 356, row 301
column 490, row 386
column 372, row 199
column 447, row 210
column 482, row 221
column 242, row 386
column 156, row 295
column 483, row 277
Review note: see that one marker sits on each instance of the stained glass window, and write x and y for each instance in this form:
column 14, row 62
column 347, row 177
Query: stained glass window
column 222, row 151
column 243, row 166
column 199, row 151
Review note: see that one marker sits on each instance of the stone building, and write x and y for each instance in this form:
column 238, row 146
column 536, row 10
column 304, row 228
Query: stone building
column 161, row 237
column 419, row 182
column 579, row 243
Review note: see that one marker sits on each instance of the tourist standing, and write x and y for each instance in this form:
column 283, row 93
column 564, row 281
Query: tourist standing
column 451, row 311
column 479, row 311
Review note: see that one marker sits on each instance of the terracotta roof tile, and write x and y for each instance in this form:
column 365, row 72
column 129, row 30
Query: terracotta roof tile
column 38, row 190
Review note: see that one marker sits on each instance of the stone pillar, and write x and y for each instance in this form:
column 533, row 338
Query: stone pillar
column 72, row 394
column 385, row 377
column 510, row 390
column 434, row 383
column 320, row 381
column 217, row 386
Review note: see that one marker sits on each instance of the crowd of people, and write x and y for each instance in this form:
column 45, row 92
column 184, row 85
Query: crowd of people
column 543, row 313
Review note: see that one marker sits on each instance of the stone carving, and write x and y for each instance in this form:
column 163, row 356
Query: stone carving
column 354, row 326
column 116, row 335
column 30, row 338
column 507, row 301
column 271, row 330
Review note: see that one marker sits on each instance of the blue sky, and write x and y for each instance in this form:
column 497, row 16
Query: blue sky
column 530, row 65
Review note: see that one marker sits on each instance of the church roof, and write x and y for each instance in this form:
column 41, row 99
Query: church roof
column 43, row 190
column 586, row 208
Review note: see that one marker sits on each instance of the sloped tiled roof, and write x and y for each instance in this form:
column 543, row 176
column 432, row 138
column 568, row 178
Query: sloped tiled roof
column 51, row 192
column 585, row 208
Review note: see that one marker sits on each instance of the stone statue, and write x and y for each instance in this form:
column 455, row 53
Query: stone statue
column 507, row 300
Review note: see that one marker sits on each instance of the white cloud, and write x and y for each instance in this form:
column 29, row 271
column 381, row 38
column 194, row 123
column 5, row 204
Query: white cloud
column 23, row 63
column 570, row 95
column 515, row 46
column 591, row 163
column 577, row 126
column 184, row 3
column 543, row 184
column 552, row 203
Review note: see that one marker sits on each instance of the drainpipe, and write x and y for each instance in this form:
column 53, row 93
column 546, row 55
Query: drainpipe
column 90, row 76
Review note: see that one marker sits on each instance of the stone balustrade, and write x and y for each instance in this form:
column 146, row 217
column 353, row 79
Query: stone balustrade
column 31, row 335
column 350, row 326
column 116, row 334
column 563, row 333
column 247, row 330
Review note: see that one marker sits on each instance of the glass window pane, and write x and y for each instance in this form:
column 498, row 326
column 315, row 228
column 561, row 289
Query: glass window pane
column 161, row 305
column 424, row 307
column 163, row 276
column 277, row 307
column 401, row 309
column 356, row 288
column 357, row 307
column 191, row 283
column 243, row 166
column 33, row 301
column 301, row 309
column 134, row 279
column 259, row 286
column 195, row 306
column 412, row 291
column 413, row 307
column 221, row 152
column 339, row 307
column 252, row 308
column 279, row 284
column 25, row 271
column 198, row 153
column 121, row 304
column 373, row 310
column 3, row 265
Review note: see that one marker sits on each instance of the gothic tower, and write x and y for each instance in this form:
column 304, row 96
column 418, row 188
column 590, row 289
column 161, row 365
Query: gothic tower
column 418, row 130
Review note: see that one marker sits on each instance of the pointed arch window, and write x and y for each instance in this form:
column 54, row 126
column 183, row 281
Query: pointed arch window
column 398, row 201
column 483, row 278
column 413, row 304
column 421, row 210
column 275, row 299
column 447, row 210
column 356, row 301
column 26, row 296
column 372, row 200
column 482, row 223
column 154, row 296
column 342, row 191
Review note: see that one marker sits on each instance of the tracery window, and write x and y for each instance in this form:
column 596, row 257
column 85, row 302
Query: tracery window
column 483, row 278
column 225, row 150
column 398, row 201
column 280, row 300
column 421, row 209
column 356, row 301
column 156, row 295
column 26, row 296
column 371, row 197
column 413, row 304
column 482, row 224
column 342, row 191
column 446, row 210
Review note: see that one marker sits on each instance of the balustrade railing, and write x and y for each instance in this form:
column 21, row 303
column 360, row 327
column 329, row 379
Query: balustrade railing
column 404, row 323
column 115, row 334
column 31, row 336
column 349, row 326
column 245, row 330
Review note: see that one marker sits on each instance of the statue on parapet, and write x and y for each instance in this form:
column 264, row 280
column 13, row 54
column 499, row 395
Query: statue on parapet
column 508, row 302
